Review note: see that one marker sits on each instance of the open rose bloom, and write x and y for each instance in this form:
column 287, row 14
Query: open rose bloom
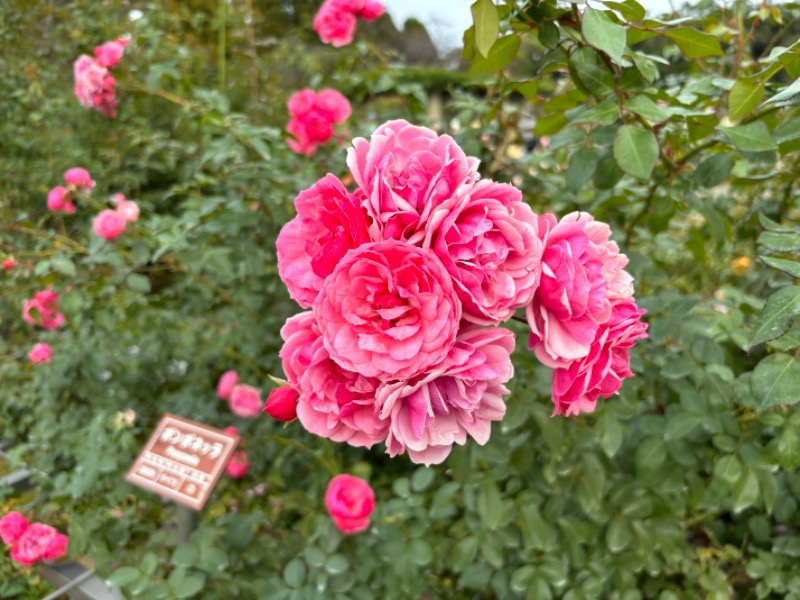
column 409, row 277
column 31, row 542
column 313, row 116
column 94, row 84
column 335, row 21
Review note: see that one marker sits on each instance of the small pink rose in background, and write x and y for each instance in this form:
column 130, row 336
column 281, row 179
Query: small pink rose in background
column 577, row 387
column 333, row 105
column 314, row 115
column 231, row 430
column 226, row 383
column 42, row 310
column 9, row 263
column 56, row 549
column 127, row 208
column 79, row 177
column 350, row 502
column 33, row 543
column 110, row 53
column 40, row 353
column 282, row 403
column 238, row 465
column 335, row 22
column 109, row 224
column 12, row 526
column 245, row 401
column 371, row 10
column 60, row 199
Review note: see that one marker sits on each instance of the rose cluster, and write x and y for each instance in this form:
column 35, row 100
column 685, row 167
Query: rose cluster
column 335, row 21
column 313, row 115
column 243, row 400
column 409, row 277
column 94, row 84
column 31, row 542
column 60, row 198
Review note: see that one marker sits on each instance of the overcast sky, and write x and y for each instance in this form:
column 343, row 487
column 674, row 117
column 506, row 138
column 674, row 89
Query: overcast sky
column 446, row 20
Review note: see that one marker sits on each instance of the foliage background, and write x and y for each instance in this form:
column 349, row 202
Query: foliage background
column 683, row 486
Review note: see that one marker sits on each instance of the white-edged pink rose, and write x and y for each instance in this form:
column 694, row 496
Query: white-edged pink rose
column 329, row 222
column 388, row 310
column 334, row 403
column 600, row 373
column 407, row 173
column 488, row 242
column 441, row 408
column 245, row 401
column 109, row 224
column 582, row 277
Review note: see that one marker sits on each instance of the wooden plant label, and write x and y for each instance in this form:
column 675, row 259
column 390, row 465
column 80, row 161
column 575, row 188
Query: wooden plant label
column 182, row 460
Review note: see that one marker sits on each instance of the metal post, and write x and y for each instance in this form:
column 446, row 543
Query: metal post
column 187, row 522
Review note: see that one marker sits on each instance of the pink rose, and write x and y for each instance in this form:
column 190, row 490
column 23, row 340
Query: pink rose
column 350, row 502
column 94, row 86
column 79, row 178
column 488, row 243
column 128, row 209
column 301, row 143
column 40, row 353
column 231, row 430
column 334, row 24
column 600, row 373
column 42, row 310
column 56, row 549
column 60, row 198
column 282, row 403
column 245, row 401
column 9, row 263
column 109, row 224
column 333, row 403
column 582, row 277
column 329, row 222
column 33, row 543
column 238, row 466
column 300, row 103
column 388, row 310
column 12, row 526
column 319, row 127
column 109, row 54
column 332, row 105
column 441, row 408
column 226, row 383
column 371, row 10
column 407, row 173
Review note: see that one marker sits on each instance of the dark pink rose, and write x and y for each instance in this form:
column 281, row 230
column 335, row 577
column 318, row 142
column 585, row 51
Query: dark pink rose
column 319, row 128
column 300, row 143
column 300, row 103
column 231, row 430
column 56, row 549
column 432, row 412
column 388, row 310
column 488, row 242
column 79, row 178
column 109, row 54
column 245, row 401
column 350, row 502
column 582, row 277
column 42, row 310
column 33, row 543
column 238, row 466
column 600, row 373
column 12, row 526
column 226, row 383
column 60, row 199
column 333, row 403
column 407, row 173
column 332, row 105
column 329, row 222
column 371, row 10
column 282, row 403
column 95, row 86
column 9, row 263
column 335, row 24
column 109, row 224
column 40, row 353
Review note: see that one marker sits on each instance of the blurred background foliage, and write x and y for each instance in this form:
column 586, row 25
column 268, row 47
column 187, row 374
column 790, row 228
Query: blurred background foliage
column 682, row 133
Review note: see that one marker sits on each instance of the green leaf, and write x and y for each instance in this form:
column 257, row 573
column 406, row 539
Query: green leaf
column 489, row 504
column 790, row 267
column 465, row 552
column 650, row 456
column 635, row 150
column 604, row 113
column 337, row 564
column 610, row 435
column 753, row 137
column 728, row 469
column 294, row 573
column 789, row 449
column 780, row 242
column 646, row 67
column 694, row 43
column 776, row 380
column 644, row 107
column 713, row 170
column 630, row 10
column 422, row 478
column 138, row 283
column 469, row 44
column 149, row 563
column 777, row 316
column 788, row 95
column 63, row 265
column 487, row 25
column 124, row 576
column 548, row 34
column 522, row 578
column 580, row 169
column 607, row 174
column 744, row 97
column 681, row 425
column 603, row 33
column 618, row 534
column 421, row 552
column 787, row 131
column 536, row 532
column 503, row 52
column 185, row 555
column 590, row 72
column 185, row 584
column 769, row 487
column 745, row 490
